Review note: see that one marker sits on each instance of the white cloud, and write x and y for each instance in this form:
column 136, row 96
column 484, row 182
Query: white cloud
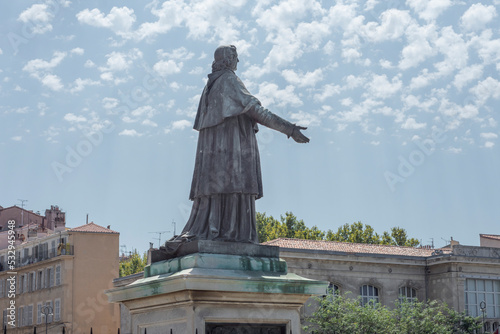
column 109, row 102
column 489, row 135
column 149, row 122
column 412, row 124
column 16, row 138
column 41, row 70
column 467, row 74
column 181, row 124
column 477, row 16
column 36, row 66
column 130, row 133
column 80, row 84
column 309, row 79
column 393, row 23
column 52, row 81
column 1, row 52
column 357, row 112
column 144, row 111
column 489, row 144
column 119, row 62
column 419, row 47
column 455, row 50
column 77, row 51
column 197, row 70
column 167, row 67
column 380, row 87
column 370, row 4
column 429, row 10
column 119, row 20
column 38, row 17
column 488, row 88
column 457, row 112
column 72, row 118
column 179, row 54
column 423, row 79
column 305, row 118
column 286, row 14
column 270, row 94
column 89, row 64
column 327, row 91
column 488, row 49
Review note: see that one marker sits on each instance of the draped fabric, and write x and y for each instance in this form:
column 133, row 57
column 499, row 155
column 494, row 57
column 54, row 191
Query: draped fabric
column 223, row 217
column 227, row 175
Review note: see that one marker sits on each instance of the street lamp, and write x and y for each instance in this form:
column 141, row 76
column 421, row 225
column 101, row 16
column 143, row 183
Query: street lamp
column 47, row 310
column 482, row 306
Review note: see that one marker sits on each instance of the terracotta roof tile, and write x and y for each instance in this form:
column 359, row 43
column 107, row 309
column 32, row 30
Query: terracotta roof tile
column 93, row 228
column 490, row 236
column 354, row 248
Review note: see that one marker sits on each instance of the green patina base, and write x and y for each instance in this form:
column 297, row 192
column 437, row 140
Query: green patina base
column 216, row 261
column 190, row 293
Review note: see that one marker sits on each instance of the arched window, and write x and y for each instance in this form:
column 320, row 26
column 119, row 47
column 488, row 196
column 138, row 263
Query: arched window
column 369, row 294
column 332, row 289
column 408, row 294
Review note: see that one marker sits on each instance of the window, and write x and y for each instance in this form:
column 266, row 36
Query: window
column 332, row 289
column 25, row 283
column 50, row 277
column 478, row 290
column 39, row 313
column 29, row 315
column 20, row 321
column 53, row 248
column 50, row 317
column 57, row 309
column 2, row 287
column 4, row 318
column 407, row 293
column 40, row 280
column 369, row 294
column 32, row 281
column 58, row 275
column 21, row 283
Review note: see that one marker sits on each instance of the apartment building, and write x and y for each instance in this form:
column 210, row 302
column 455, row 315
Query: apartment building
column 65, row 269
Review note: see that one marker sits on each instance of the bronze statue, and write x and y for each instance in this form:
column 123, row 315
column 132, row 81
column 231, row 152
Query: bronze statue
column 227, row 176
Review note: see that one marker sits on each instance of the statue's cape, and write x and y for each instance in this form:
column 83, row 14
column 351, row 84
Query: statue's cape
column 224, row 96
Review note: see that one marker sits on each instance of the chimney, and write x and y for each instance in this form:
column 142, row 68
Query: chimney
column 453, row 242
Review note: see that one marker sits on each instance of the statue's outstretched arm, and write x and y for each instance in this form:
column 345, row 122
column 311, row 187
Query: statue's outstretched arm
column 273, row 121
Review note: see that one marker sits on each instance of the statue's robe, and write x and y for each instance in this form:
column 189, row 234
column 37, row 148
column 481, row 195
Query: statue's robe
column 227, row 175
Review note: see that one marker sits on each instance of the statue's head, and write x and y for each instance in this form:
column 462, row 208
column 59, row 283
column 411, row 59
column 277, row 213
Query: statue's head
column 225, row 57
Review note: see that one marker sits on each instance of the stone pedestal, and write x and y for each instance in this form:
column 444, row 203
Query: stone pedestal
column 218, row 288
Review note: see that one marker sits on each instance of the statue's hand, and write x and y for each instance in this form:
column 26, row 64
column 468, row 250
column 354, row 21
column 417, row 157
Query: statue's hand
column 298, row 136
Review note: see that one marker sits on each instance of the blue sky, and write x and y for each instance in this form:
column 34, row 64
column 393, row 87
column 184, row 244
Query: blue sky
column 401, row 100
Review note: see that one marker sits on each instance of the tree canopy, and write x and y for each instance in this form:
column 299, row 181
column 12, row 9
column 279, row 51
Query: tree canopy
column 289, row 226
column 133, row 264
column 338, row 314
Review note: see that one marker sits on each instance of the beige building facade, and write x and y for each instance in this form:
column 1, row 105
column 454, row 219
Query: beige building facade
column 67, row 270
column 461, row 276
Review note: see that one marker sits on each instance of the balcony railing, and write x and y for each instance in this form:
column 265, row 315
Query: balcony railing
column 63, row 249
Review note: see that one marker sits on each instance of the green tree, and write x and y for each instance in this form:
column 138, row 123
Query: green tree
column 133, row 264
column 398, row 237
column 339, row 314
column 355, row 232
column 289, row 226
